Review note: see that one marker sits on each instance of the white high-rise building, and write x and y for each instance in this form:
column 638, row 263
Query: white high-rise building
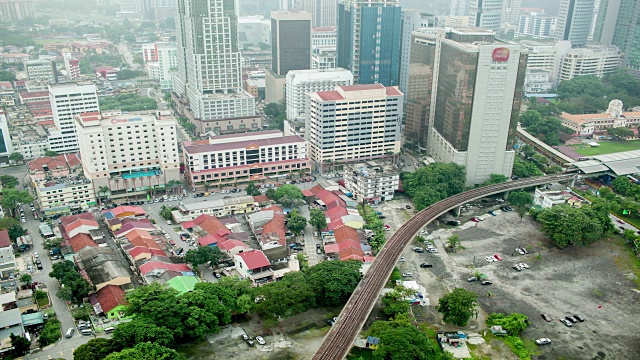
column 41, row 70
column 128, row 153
column 6, row 146
column 472, row 122
column 543, row 64
column 412, row 20
column 511, row 12
column 323, row 11
column 459, row 8
column 67, row 101
column 324, row 36
column 209, row 66
column 486, row 14
column 595, row 60
column 300, row 83
column 536, row 25
column 574, row 21
column 353, row 123
column 164, row 63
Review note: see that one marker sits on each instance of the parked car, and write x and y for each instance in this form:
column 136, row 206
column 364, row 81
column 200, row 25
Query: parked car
column 492, row 213
column 407, row 274
column 173, row 243
column 472, row 279
column 418, row 250
column 497, row 257
column 453, row 222
column 543, row 341
column 490, row 259
column 245, row 337
column 571, row 318
column 250, row 343
column 217, row 275
column 486, row 282
column 619, row 221
column 260, row 340
column 519, row 251
column 546, row 317
column 566, row 322
column 425, row 265
column 475, row 219
column 579, row 318
column 523, row 265
column 402, row 259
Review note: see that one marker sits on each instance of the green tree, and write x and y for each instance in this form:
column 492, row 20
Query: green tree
column 16, row 157
column 165, row 212
column 540, row 159
column 12, row 197
column 289, row 296
column 7, row 222
column 581, row 85
column 495, row 179
column 9, row 181
column 16, row 231
column 51, row 332
column 95, row 349
column 513, row 323
column 296, row 223
column 333, row 282
column 20, row 344
column 104, row 191
column 189, row 127
column 51, row 153
column 82, row 313
column 289, row 190
column 458, row 306
column 204, row 255
column 519, row 198
column 620, row 132
column 400, row 340
column 430, row 184
column 80, row 288
column 317, row 219
column 622, row 185
column 395, row 302
column 7, row 76
column 130, row 74
column 60, row 269
column 252, row 190
column 453, row 243
column 525, row 169
column 271, row 193
column 26, row 279
column 566, row 225
column 132, row 333
column 158, row 304
column 530, row 117
column 146, row 351
column 528, row 150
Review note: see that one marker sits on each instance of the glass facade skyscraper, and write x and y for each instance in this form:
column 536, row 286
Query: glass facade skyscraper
column 370, row 40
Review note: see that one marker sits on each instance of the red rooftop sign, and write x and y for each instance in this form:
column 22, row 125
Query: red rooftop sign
column 500, row 54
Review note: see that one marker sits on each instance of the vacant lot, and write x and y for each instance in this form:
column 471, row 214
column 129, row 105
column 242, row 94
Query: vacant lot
column 608, row 147
column 595, row 282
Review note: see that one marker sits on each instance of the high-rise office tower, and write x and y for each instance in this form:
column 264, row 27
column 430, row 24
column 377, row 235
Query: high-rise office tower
column 574, row 21
column 290, row 41
column 486, row 14
column 619, row 24
column 511, row 12
column 323, row 11
column 412, row 20
column 6, row 147
column 370, row 40
column 209, row 72
column 475, row 101
column 459, row 8
column 67, row 101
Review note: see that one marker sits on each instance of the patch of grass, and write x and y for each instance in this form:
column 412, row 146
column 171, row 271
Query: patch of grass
column 608, row 147
column 517, row 346
column 357, row 353
column 628, row 262
column 43, row 302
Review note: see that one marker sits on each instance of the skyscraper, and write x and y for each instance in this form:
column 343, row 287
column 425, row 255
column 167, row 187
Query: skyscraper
column 475, row 101
column 574, row 21
column 67, row 101
column 412, row 20
column 323, row 11
column 6, row 147
column 619, row 24
column 511, row 12
column 486, row 14
column 290, row 41
column 459, row 8
column 369, row 40
column 209, row 72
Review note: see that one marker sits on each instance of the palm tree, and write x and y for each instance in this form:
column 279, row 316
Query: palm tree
column 104, row 190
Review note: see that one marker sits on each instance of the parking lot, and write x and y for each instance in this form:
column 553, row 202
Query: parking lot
column 591, row 282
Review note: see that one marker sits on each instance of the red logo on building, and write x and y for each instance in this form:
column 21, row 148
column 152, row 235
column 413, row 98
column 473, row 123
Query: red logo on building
column 500, row 54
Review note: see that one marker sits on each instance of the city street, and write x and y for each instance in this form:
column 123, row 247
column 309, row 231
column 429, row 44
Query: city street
column 127, row 55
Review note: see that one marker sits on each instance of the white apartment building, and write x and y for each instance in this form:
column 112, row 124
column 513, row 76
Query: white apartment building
column 323, row 57
column 31, row 148
column 574, row 21
column 240, row 158
column 67, row 101
column 353, row 123
column 8, row 260
column 412, row 20
column 71, row 66
column 372, row 181
column 324, row 36
column 41, row 70
column 536, row 25
column 543, row 61
column 597, row 60
column 209, row 71
column 128, row 153
column 300, row 83
column 164, row 66
column 473, row 123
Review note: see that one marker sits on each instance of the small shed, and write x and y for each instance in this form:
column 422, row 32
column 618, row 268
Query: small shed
column 373, row 342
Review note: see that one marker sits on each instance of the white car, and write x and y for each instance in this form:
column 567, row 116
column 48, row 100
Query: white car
column 23, row 220
column 167, row 236
column 260, row 340
column 543, row 341
column 523, row 265
column 402, row 259
column 520, row 251
column 407, row 274
column 489, row 259
column 168, row 222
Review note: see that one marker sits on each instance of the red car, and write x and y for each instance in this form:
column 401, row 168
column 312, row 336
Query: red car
column 497, row 257
column 475, row 219
column 619, row 221
column 173, row 243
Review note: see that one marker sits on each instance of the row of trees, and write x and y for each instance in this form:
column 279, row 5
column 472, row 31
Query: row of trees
column 430, row 184
column 11, row 199
column 590, row 94
column 545, row 128
column 128, row 102
column 374, row 223
column 277, row 112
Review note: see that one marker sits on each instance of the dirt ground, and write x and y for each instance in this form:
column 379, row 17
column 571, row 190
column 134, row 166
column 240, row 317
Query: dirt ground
column 591, row 282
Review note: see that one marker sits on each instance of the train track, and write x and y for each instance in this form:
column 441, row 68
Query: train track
column 340, row 338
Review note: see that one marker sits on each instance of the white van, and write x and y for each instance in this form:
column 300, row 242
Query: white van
column 86, row 332
column 69, row 332
column 109, row 330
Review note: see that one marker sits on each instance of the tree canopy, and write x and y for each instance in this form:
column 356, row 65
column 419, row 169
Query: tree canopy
column 430, row 184
column 513, row 323
column 12, row 197
column 75, row 288
column 291, row 295
column 130, row 74
column 395, row 302
column 146, row 351
column 495, row 179
column 289, row 190
column 520, row 197
column 16, row 156
column 566, row 225
column 525, row 169
column 129, row 334
column 204, row 255
column 128, row 102
column 333, row 281
column 620, row 132
column 252, row 189
column 296, row 222
column 8, row 181
column 7, row 76
column 458, row 306
column 95, row 349
column 317, row 218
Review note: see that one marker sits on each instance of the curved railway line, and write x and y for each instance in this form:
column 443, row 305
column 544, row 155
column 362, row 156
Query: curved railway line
column 339, row 340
